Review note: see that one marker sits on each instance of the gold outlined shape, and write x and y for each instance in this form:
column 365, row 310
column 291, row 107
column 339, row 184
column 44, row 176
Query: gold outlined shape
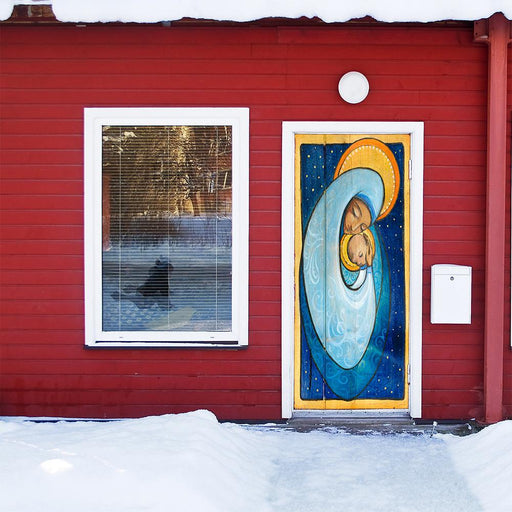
column 373, row 154
column 345, row 259
column 360, row 403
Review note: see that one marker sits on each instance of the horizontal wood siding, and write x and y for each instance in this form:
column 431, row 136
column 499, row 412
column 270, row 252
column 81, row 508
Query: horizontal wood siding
column 434, row 74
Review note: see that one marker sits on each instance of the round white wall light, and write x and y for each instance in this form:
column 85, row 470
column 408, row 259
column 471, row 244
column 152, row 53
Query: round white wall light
column 353, row 87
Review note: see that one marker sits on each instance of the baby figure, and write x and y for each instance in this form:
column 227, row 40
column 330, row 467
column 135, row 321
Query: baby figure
column 360, row 250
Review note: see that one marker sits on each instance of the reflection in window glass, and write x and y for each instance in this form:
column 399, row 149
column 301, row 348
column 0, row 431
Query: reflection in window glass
column 166, row 228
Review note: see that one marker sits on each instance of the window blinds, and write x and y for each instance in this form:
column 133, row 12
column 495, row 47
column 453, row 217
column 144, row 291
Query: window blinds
column 167, row 228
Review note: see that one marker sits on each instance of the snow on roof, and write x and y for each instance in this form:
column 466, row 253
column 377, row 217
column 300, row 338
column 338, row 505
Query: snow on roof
column 151, row 11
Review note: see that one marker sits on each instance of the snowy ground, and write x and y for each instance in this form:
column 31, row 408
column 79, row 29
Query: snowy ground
column 190, row 462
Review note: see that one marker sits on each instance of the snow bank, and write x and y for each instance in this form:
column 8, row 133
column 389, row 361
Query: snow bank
column 184, row 462
column 191, row 463
column 151, row 11
column 485, row 459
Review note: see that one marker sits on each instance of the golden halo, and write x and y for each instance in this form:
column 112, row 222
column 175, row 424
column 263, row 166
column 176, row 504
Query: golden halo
column 375, row 155
column 345, row 239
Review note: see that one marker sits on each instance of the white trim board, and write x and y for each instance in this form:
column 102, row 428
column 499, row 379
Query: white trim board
column 94, row 120
column 415, row 130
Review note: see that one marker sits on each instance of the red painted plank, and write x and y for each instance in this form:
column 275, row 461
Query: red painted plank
column 453, row 382
column 55, row 308
column 455, row 218
column 452, row 128
column 42, row 247
column 454, row 233
column 262, row 233
column 51, row 339
column 453, row 352
column 263, row 218
column 45, row 232
column 22, row 216
column 43, row 141
column 455, row 248
column 454, row 188
column 28, row 321
column 447, row 335
column 96, row 366
column 443, row 173
column 41, row 187
column 265, row 323
column 451, row 412
column 150, row 50
column 125, row 34
column 100, row 66
column 142, row 382
column 23, row 120
column 42, row 278
column 265, row 293
column 450, row 203
column 41, row 156
column 48, row 292
column 137, row 81
column 452, row 141
column 37, row 203
column 453, row 397
column 42, row 262
column 265, row 188
column 264, row 203
column 265, row 249
column 462, row 158
column 195, row 398
column 52, row 115
column 266, row 308
column 188, row 34
column 450, row 367
column 355, row 36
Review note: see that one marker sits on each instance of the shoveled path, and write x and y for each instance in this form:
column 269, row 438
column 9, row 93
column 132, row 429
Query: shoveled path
column 388, row 468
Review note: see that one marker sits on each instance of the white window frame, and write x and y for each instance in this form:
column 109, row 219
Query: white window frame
column 94, row 120
column 415, row 130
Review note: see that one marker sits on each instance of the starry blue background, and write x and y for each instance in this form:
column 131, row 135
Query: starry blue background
column 318, row 164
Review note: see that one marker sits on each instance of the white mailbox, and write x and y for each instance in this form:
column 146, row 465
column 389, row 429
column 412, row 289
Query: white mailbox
column 450, row 298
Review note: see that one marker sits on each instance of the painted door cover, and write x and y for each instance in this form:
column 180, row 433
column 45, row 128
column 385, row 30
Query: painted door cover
column 352, row 212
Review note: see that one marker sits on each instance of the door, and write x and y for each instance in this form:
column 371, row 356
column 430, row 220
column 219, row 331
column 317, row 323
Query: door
column 351, row 334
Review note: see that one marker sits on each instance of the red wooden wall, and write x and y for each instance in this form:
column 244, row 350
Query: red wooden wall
column 507, row 381
column 434, row 74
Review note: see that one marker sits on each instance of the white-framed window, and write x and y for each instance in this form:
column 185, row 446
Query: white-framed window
column 166, row 226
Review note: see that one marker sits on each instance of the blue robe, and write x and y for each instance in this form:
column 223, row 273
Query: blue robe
column 345, row 325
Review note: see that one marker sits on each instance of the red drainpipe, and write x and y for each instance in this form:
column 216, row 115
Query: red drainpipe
column 496, row 32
